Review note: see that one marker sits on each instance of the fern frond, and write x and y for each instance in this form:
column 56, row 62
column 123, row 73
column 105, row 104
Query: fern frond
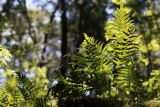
column 93, row 53
column 40, row 102
column 122, row 45
column 92, row 65
column 28, row 89
column 10, row 96
column 121, row 23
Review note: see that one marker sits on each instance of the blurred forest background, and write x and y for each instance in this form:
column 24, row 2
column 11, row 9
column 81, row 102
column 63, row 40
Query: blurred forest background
column 41, row 35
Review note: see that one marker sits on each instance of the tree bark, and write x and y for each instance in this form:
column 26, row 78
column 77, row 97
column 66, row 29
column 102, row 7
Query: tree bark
column 64, row 38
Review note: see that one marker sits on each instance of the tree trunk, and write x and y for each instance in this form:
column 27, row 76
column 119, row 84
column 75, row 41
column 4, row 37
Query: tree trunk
column 64, row 38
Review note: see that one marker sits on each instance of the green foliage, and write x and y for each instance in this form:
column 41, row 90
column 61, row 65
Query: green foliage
column 4, row 53
column 153, row 84
column 10, row 95
column 122, row 45
column 107, row 70
column 19, row 90
column 99, row 70
column 92, row 61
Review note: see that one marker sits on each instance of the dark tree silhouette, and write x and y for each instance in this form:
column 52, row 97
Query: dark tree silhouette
column 64, row 38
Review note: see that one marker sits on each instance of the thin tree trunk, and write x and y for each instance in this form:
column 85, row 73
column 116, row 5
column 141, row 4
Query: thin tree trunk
column 80, row 38
column 64, row 38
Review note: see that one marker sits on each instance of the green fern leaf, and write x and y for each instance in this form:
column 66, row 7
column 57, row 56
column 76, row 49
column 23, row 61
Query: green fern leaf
column 122, row 45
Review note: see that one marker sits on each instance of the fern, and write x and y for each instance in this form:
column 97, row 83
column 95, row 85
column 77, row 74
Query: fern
column 19, row 90
column 120, row 35
column 91, row 66
column 109, row 68
column 122, row 45
column 93, row 54
column 10, row 96
column 28, row 89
